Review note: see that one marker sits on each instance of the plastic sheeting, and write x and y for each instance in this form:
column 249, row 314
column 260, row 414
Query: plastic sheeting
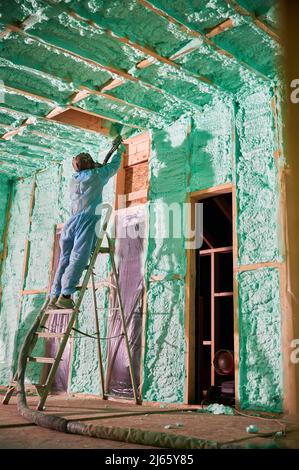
column 131, row 226
column 58, row 324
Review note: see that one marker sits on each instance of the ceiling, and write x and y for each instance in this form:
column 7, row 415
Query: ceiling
column 82, row 63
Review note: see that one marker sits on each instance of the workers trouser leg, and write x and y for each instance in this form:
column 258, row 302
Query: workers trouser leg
column 84, row 242
column 77, row 241
column 66, row 244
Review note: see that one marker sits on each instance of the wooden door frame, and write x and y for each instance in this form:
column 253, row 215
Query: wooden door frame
column 190, row 287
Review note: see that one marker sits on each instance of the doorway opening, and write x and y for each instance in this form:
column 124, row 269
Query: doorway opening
column 214, row 309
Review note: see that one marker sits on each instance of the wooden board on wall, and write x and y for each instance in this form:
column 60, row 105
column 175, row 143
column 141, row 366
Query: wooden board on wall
column 136, row 177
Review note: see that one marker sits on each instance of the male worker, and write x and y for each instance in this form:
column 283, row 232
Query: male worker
column 78, row 237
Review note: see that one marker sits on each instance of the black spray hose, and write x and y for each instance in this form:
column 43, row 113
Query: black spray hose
column 115, row 145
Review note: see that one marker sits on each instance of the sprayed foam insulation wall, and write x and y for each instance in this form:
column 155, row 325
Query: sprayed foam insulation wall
column 260, row 340
column 208, row 157
column 191, row 154
column 11, row 279
column 196, row 152
column 257, row 180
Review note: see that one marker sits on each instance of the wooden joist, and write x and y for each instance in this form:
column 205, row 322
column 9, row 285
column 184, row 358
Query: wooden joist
column 195, row 34
column 227, row 24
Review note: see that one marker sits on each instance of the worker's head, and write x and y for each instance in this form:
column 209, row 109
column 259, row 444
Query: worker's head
column 83, row 161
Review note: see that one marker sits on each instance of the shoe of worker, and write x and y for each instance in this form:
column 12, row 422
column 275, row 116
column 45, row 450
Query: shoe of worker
column 52, row 303
column 64, row 302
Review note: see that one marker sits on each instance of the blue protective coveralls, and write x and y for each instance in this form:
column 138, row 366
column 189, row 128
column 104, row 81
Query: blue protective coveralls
column 78, row 237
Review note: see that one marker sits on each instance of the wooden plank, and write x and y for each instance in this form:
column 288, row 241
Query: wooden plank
column 250, row 267
column 120, row 199
column 80, row 95
column 112, row 83
column 212, row 317
column 112, row 70
column 27, row 242
column 8, row 135
column 148, row 52
column 212, row 191
column 190, row 285
column 136, row 177
column 97, row 115
column 143, row 64
column 243, row 12
column 143, row 136
column 136, row 158
column 80, row 118
column 235, row 298
column 34, row 291
column 55, row 112
column 49, row 335
column 142, row 193
column 225, row 249
column 226, row 24
column 5, row 232
column 42, row 360
column 223, row 294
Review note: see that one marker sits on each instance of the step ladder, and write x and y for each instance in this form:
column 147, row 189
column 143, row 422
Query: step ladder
column 40, row 331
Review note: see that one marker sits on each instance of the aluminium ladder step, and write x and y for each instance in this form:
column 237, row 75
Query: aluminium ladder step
column 14, row 383
column 58, row 310
column 44, row 360
column 49, row 335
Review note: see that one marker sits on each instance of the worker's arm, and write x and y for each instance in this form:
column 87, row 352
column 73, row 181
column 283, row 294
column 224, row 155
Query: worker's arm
column 109, row 169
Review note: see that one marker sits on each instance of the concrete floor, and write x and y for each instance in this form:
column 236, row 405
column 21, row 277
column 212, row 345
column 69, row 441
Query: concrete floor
column 16, row 433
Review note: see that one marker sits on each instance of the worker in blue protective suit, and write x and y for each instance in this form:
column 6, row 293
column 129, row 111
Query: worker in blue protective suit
column 78, row 237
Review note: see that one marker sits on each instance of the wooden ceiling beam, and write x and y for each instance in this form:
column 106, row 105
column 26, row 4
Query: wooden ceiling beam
column 121, row 75
column 195, row 34
column 148, row 52
column 113, row 83
column 79, row 95
column 79, row 118
column 91, row 113
column 224, row 26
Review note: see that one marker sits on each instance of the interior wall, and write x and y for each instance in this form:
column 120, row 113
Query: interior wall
column 259, row 241
column 225, row 143
column 228, row 142
column 11, row 279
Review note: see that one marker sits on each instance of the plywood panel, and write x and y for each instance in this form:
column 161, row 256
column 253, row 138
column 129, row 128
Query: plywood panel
column 136, row 177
